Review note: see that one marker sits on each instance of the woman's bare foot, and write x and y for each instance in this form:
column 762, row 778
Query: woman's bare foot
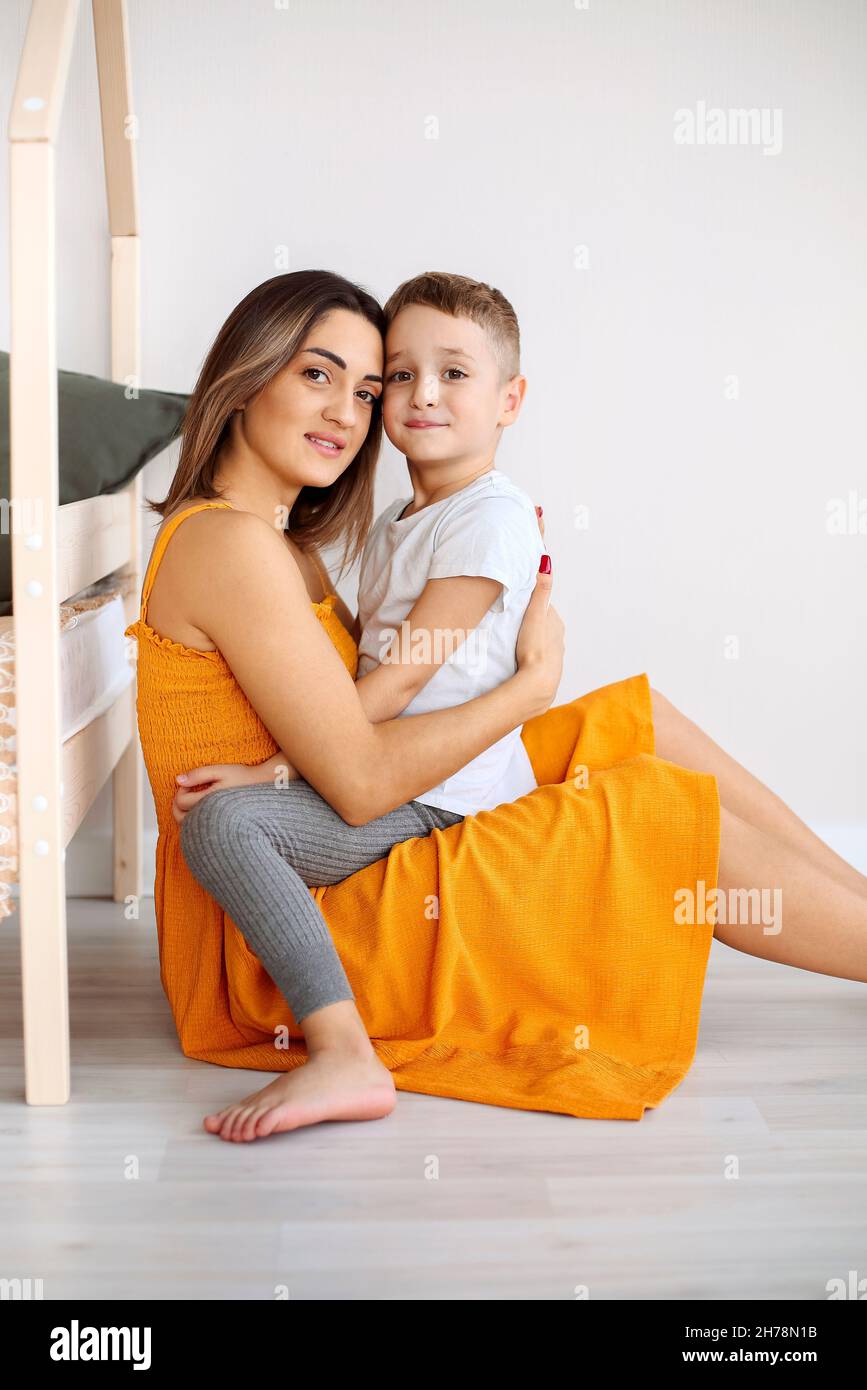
column 333, row 1084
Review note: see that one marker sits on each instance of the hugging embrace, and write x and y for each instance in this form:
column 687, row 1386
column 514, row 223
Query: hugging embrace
column 384, row 861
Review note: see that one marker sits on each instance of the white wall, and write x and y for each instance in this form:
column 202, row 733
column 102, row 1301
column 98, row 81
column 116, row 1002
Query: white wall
column 306, row 127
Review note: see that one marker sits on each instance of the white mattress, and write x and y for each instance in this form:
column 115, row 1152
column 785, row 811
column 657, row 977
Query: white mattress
column 94, row 666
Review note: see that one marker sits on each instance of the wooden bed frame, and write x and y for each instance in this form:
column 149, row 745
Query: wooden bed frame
column 79, row 543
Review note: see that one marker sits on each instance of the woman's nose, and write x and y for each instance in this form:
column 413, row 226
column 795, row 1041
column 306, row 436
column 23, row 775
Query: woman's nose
column 343, row 410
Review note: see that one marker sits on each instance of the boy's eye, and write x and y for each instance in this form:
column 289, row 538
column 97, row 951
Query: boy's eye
column 454, row 373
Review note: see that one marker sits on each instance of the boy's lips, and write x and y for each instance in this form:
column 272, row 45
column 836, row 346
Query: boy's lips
column 425, row 425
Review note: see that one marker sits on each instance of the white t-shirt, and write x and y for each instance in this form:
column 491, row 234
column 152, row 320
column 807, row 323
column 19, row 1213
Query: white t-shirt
column 488, row 528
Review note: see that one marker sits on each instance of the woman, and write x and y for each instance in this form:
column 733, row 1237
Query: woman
column 535, row 955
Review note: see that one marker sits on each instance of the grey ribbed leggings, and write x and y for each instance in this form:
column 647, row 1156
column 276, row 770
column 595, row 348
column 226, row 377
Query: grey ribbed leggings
column 257, row 849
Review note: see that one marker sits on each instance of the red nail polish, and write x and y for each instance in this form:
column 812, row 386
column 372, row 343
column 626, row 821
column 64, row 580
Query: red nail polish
column 545, row 564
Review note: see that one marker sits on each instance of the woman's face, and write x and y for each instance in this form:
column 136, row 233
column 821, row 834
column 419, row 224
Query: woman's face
column 312, row 418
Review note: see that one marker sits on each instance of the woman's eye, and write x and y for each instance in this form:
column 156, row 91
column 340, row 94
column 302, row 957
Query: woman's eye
column 372, row 397
column 320, row 370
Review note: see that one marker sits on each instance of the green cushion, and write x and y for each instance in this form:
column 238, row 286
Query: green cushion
column 103, row 440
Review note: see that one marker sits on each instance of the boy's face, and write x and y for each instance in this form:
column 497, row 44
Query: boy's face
column 443, row 396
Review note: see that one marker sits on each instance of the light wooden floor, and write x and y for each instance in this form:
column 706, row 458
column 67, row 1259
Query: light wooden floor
column 526, row 1205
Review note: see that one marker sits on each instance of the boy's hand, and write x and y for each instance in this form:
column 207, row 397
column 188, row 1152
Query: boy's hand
column 201, row 781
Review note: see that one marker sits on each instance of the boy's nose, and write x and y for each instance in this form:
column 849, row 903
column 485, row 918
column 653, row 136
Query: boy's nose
column 427, row 391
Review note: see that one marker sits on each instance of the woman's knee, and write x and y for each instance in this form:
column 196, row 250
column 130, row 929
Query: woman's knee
column 659, row 702
column 659, row 707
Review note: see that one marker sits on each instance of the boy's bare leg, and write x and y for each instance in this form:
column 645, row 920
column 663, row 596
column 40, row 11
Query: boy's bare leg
column 257, row 850
column 680, row 741
column 342, row 1079
column 818, row 923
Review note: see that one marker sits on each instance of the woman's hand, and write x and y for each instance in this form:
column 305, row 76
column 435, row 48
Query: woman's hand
column 541, row 640
column 201, row 781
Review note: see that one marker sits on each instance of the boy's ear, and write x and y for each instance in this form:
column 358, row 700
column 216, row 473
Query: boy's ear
column 513, row 398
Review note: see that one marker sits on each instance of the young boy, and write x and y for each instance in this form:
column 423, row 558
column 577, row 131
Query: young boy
column 447, row 574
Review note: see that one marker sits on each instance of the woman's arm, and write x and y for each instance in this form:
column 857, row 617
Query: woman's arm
column 254, row 607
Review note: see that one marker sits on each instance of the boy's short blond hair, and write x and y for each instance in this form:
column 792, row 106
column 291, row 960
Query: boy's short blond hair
column 469, row 299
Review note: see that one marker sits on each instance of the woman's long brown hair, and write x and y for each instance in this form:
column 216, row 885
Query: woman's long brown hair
column 260, row 336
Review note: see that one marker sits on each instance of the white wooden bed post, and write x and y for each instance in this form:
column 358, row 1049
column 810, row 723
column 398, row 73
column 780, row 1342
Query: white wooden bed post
column 37, row 574
column 119, row 135
column 33, row 446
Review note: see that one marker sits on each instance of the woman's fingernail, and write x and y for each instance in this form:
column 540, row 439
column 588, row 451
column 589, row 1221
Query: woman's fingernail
column 545, row 564
column 538, row 511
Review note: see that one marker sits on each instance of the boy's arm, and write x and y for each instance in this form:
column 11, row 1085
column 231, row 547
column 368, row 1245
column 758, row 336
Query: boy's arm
column 439, row 623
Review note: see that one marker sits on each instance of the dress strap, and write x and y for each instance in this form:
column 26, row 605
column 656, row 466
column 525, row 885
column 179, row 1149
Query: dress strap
column 323, row 574
column 160, row 544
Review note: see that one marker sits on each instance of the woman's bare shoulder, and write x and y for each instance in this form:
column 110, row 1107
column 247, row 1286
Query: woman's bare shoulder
column 234, row 557
column 216, row 555
column 211, row 507
column 208, row 526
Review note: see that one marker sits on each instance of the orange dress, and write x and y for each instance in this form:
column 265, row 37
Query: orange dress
column 529, row 956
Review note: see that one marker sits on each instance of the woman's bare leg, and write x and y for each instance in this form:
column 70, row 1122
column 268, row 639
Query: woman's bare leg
column 680, row 741
column 821, row 925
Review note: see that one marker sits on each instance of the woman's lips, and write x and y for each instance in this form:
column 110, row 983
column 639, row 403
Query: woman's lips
column 329, row 449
